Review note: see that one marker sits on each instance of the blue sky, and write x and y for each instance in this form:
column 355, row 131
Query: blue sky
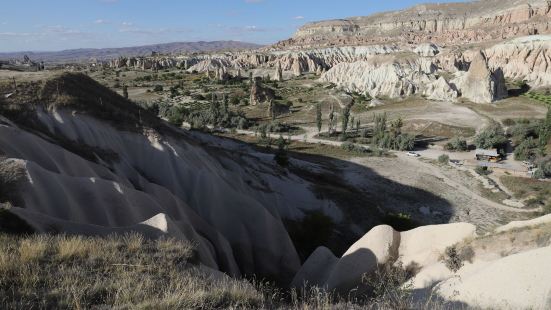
column 44, row 25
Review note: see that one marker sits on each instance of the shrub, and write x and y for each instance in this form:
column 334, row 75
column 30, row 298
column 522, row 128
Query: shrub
column 509, row 122
column 527, row 150
column 353, row 148
column 281, row 157
column 158, row 88
column 544, row 168
column 443, row 159
column 452, row 259
column 457, row 144
column 197, row 97
column 491, row 137
column 404, row 142
column 481, row 170
column 400, row 221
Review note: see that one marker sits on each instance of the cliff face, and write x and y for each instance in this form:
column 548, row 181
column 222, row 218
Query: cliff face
column 450, row 23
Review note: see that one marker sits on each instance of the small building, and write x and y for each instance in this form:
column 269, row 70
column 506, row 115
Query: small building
column 488, row 155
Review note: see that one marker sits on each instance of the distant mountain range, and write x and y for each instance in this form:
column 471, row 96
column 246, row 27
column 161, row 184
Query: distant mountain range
column 85, row 54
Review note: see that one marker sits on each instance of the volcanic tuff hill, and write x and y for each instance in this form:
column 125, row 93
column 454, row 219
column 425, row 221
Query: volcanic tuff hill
column 450, row 23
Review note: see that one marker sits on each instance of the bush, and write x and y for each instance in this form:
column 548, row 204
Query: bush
column 400, row 221
column 197, row 97
column 544, row 168
column 452, row 259
column 509, row 122
column 527, row 150
column 491, row 137
column 353, row 148
column 520, row 132
column 443, row 159
column 281, row 157
column 457, row 144
column 481, row 170
column 158, row 88
column 404, row 142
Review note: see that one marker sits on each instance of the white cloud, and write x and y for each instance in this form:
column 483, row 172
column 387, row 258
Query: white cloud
column 254, row 1
column 127, row 24
column 100, row 21
column 298, row 17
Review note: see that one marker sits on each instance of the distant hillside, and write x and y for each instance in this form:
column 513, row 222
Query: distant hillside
column 440, row 23
column 85, row 54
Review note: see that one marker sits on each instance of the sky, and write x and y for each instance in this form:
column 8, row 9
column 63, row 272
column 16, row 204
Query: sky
column 49, row 25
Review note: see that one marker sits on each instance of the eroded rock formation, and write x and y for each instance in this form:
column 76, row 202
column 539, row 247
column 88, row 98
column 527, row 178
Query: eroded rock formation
column 259, row 93
column 446, row 23
column 480, row 84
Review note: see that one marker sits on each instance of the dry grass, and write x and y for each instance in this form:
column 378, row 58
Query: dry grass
column 12, row 172
column 131, row 272
column 74, row 247
column 118, row 271
column 34, row 250
column 536, row 193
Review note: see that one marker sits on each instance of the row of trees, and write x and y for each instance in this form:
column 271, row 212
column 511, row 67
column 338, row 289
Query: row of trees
column 347, row 120
column 388, row 135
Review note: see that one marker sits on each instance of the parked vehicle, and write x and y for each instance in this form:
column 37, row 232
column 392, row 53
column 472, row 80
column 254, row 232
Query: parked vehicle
column 413, row 154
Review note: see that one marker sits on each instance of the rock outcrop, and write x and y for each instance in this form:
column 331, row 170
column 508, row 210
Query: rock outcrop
column 381, row 76
column 297, row 70
column 420, row 247
column 523, row 59
column 519, row 281
column 440, row 90
column 426, row 50
column 480, row 84
column 278, row 73
column 259, row 93
column 514, row 278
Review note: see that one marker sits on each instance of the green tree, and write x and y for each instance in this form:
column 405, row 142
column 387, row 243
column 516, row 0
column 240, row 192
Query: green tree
column 527, row 150
column 491, row 137
column 319, row 121
column 331, row 120
column 458, row 144
column 281, row 157
column 404, row 142
column 545, row 131
column 379, row 128
column 396, row 127
column 214, row 110
column 345, row 119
